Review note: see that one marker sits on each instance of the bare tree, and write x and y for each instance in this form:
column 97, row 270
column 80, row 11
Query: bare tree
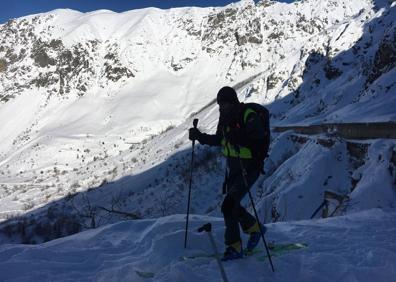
column 87, row 210
column 164, row 203
column 116, row 206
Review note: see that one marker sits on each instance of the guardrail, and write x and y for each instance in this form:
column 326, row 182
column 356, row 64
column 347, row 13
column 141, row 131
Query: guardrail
column 374, row 130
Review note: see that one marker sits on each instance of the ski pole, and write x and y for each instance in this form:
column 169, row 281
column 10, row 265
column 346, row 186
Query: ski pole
column 208, row 228
column 195, row 123
column 318, row 209
column 244, row 176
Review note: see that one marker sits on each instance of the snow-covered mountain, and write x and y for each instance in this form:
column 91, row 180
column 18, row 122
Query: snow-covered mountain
column 95, row 108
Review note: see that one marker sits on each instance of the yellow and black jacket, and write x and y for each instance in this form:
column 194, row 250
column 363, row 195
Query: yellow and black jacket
column 250, row 140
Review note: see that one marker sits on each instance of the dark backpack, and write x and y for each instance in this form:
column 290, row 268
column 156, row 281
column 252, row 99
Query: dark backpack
column 260, row 151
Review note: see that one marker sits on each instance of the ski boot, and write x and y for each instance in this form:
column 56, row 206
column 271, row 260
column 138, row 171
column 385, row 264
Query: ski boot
column 233, row 251
column 255, row 236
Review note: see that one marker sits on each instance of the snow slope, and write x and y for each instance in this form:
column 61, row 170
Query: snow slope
column 95, row 110
column 357, row 247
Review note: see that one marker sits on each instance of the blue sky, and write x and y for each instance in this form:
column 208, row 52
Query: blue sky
column 19, row 8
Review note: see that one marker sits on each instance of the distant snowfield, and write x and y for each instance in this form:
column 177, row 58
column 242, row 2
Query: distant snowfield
column 357, row 247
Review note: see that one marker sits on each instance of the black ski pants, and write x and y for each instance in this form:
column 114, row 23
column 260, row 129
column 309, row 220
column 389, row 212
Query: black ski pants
column 234, row 214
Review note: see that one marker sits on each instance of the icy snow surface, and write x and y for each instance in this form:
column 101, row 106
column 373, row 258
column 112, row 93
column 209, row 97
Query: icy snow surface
column 357, row 247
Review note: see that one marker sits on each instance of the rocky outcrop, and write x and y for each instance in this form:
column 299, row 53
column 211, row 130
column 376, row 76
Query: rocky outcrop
column 221, row 27
column 49, row 64
column 385, row 57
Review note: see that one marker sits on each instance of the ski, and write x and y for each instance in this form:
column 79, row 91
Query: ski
column 144, row 274
column 212, row 255
column 275, row 250
column 280, row 249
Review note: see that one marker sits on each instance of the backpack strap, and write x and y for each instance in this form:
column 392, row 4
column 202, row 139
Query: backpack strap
column 248, row 111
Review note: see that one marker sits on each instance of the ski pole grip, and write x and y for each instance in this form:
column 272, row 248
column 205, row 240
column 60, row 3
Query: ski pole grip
column 195, row 122
column 206, row 227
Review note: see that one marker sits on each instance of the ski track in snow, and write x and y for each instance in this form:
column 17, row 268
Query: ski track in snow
column 357, row 247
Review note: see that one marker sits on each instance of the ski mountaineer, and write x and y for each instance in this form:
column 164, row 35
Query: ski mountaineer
column 241, row 133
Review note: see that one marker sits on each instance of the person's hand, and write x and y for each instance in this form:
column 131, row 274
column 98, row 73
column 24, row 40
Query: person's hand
column 194, row 134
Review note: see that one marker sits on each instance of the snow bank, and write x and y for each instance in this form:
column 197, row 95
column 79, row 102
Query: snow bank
column 358, row 247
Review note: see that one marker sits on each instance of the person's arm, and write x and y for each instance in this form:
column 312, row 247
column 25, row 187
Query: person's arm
column 210, row 139
column 204, row 138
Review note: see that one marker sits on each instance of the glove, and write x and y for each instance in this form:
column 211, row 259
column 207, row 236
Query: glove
column 194, row 134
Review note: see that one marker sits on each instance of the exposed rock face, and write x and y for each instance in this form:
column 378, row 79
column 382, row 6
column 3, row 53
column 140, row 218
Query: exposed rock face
column 385, row 57
column 32, row 55
column 37, row 59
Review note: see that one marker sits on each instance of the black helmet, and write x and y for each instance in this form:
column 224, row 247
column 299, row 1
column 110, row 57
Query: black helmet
column 227, row 94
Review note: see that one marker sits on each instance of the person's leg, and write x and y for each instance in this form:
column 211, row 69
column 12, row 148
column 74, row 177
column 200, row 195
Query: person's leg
column 231, row 234
column 247, row 221
column 238, row 191
column 230, row 210
column 234, row 214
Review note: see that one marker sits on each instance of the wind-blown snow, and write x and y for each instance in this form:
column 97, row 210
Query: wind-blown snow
column 358, row 247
